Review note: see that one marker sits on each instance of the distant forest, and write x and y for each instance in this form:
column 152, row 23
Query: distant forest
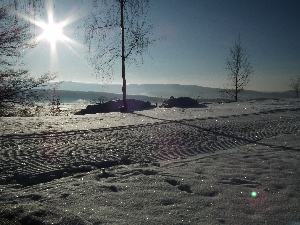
column 70, row 92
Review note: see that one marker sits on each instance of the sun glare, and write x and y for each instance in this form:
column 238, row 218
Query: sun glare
column 52, row 32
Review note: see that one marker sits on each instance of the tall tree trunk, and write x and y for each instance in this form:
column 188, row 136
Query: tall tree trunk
column 236, row 88
column 124, row 108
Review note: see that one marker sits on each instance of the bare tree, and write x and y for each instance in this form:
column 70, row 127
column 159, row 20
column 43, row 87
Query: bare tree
column 16, row 86
column 240, row 70
column 295, row 84
column 117, row 29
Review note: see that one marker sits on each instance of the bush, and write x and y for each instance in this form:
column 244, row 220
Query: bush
column 182, row 102
column 114, row 106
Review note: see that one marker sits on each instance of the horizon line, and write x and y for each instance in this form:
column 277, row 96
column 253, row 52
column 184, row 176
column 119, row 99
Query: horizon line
column 164, row 84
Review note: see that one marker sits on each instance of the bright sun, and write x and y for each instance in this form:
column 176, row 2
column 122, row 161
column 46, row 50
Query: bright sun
column 52, row 32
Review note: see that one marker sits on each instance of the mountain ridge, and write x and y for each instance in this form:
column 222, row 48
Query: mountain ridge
column 166, row 90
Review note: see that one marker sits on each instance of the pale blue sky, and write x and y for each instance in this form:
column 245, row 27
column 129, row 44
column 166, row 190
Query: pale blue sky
column 199, row 34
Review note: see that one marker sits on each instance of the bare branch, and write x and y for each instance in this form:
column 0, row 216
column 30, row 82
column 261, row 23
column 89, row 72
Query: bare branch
column 239, row 69
column 295, row 85
column 102, row 32
column 16, row 86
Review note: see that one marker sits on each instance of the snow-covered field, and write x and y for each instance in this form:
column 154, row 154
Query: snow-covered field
column 225, row 163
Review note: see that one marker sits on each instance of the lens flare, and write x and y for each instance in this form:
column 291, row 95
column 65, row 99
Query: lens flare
column 52, row 31
column 253, row 194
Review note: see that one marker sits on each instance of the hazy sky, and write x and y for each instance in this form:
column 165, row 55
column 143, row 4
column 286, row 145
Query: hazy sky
column 199, row 34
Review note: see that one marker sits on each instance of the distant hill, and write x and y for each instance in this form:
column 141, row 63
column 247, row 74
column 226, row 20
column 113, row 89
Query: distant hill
column 72, row 91
column 153, row 90
column 91, row 96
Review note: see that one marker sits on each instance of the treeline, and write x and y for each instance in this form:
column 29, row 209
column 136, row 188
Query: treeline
column 90, row 96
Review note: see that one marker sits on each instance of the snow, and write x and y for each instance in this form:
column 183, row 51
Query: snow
column 160, row 166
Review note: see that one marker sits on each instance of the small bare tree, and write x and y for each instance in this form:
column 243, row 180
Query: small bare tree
column 240, row 70
column 117, row 29
column 295, row 84
column 16, row 86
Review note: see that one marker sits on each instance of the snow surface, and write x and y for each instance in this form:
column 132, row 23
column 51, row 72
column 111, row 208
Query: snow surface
column 225, row 163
